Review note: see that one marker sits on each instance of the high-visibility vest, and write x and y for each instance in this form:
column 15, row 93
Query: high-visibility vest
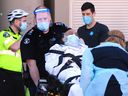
column 9, row 60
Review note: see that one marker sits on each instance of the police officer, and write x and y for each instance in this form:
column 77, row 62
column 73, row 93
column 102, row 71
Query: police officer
column 11, row 83
column 36, row 43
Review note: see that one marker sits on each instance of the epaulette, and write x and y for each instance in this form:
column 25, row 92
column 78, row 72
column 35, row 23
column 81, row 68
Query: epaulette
column 30, row 32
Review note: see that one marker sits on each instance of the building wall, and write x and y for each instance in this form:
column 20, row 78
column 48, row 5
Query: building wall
column 62, row 11
column 8, row 5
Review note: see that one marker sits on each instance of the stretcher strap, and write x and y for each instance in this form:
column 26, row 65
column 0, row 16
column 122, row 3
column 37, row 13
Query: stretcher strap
column 74, row 58
column 70, row 79
column 66, row 66
column 56, row 51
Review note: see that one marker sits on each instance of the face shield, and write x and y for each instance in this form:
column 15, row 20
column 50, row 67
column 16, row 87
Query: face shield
column 43, row 19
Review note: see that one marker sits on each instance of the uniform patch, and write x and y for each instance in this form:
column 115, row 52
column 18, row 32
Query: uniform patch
column 6, row 34
column 26, row 41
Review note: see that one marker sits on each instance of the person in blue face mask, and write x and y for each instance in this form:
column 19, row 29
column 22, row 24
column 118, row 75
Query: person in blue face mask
column 91, row 32
column 36, row 43
column 10, row 58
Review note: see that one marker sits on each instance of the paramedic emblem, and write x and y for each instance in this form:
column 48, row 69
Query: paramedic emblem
column 26, row 41
column 6, row 34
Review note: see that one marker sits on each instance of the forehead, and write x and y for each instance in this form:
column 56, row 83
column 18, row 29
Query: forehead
column 87, row 11
column 24, row 18
column 42, row 15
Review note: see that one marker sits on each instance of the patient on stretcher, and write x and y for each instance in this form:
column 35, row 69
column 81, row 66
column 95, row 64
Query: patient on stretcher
column 64, row 62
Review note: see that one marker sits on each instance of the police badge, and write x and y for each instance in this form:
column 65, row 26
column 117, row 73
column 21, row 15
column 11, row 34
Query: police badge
column 6, row 34
column 26, row 41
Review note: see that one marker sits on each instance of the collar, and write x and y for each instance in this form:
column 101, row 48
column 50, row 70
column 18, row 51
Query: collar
column 10, row 30
column 107, row 44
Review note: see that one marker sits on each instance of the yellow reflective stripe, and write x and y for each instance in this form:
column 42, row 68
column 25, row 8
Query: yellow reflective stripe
column 9, row 52
column 9, row 40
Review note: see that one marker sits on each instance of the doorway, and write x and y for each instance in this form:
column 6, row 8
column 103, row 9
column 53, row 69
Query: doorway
column 51, row 5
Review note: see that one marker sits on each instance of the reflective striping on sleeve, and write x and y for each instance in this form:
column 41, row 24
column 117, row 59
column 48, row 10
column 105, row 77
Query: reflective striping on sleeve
column 9, row 60
column 9, row 41
column 9, row 52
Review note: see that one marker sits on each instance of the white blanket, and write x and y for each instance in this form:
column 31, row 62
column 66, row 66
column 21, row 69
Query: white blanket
column 52, row 60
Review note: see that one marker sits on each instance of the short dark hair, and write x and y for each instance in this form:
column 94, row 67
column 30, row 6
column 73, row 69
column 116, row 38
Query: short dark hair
column 11, row 22
column 88, row 5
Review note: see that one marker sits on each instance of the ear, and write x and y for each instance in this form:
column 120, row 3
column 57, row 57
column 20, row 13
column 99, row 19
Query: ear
column 50, row 18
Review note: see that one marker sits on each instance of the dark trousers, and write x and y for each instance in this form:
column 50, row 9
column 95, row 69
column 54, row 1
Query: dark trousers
column 11, row 83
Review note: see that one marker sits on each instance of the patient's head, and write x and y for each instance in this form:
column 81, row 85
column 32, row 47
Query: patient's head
column 116, row 36
column 72, row 40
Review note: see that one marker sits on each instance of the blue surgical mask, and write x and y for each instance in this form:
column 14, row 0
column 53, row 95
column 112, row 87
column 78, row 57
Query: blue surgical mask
column 23, row 26
column 43, row 26
column 87, row 19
